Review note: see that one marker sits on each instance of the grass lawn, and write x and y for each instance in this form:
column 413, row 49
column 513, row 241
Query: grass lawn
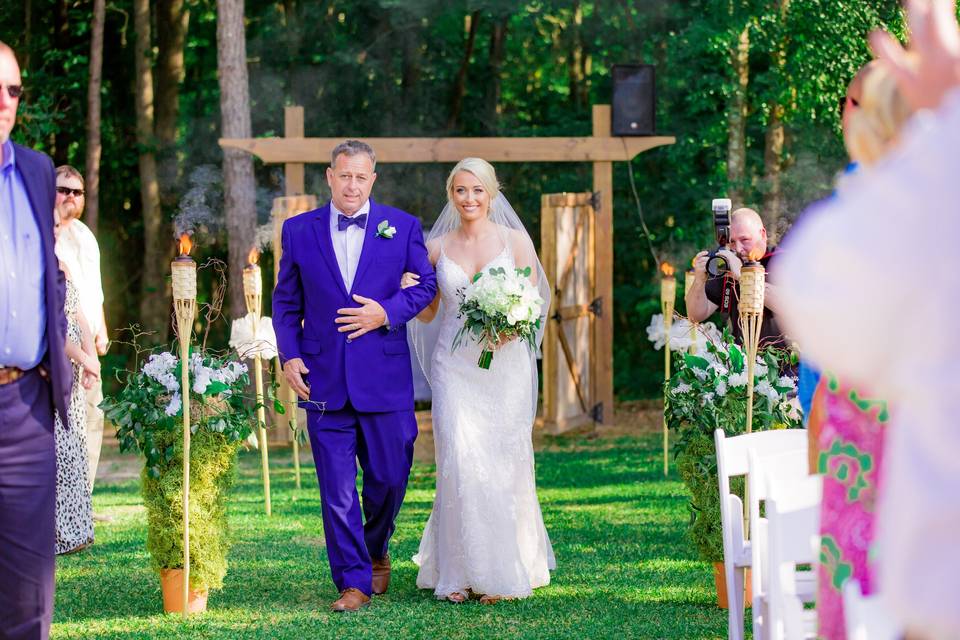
column 625, row 568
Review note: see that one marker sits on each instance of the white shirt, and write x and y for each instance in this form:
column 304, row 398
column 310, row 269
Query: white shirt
column 348, row 244
column 77, row 248
column 870, row 286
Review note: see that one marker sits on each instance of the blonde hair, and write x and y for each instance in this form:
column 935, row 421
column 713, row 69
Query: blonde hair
column 876, row 124
column 483, row 171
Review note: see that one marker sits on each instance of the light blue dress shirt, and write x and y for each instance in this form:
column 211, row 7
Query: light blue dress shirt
column 22, row 303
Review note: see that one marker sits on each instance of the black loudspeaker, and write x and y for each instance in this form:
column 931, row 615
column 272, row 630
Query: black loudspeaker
column 634, row 100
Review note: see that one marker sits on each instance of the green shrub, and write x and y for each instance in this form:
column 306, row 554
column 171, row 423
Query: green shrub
column 148, row 414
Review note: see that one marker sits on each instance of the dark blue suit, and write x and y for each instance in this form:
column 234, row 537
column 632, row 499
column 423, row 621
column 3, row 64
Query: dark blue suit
column 366, row 384
column 27, row 450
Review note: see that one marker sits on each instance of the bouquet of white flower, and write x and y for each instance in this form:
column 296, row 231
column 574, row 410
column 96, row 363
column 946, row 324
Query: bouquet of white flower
column 497, row 306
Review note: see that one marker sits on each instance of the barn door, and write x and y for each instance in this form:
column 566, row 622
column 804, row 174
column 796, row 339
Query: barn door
column 568, row 254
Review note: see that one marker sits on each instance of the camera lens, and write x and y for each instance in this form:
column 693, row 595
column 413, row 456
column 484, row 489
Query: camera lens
column 716, row 266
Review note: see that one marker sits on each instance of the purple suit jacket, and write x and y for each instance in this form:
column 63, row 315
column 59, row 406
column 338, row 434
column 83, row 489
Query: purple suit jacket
column 36, row 170
column 373, row 372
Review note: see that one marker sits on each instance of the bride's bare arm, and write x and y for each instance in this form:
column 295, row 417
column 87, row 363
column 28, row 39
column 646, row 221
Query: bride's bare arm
column 411, row 279
column 524, row 255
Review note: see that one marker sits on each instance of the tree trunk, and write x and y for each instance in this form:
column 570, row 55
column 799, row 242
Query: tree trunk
column 737, row 119
column 154, row 304
column 173, row 18
column 498, row 38
column 61, row 39
column 94, row 146
column 460, row 87
column 238, row 183
column 774, row 146
column 576, row 62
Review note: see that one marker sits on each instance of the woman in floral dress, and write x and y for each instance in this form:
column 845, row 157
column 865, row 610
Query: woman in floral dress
column 74, row 510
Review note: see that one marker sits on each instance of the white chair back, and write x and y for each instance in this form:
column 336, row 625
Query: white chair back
column 793, row 537
column 865, row 616
column 732, row 460
column 788, row 466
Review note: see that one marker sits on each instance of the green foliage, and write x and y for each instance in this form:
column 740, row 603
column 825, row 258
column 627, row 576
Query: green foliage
column 212, row 458
column 390, row 68
column 709, row 393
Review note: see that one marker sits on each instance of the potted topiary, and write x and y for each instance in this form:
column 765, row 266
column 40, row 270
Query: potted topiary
column 708, row 391
column 148, row 415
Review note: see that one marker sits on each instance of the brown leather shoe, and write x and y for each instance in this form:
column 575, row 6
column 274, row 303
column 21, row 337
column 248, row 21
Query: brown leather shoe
column 350, row 600
column 381, row 576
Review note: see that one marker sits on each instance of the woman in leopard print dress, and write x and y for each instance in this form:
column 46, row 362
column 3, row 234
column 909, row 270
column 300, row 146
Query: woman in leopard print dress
column 74, row 511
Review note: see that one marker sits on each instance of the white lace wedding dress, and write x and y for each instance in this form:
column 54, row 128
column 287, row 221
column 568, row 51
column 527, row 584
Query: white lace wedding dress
column 486, row 531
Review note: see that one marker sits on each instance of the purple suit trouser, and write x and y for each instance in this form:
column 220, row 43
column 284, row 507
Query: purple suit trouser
column 28, row 476
column 383, row 443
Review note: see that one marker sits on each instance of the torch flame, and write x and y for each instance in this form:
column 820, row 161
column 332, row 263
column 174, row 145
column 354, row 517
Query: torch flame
column 755, row 255
column 254, row 256
column 666, row 269
column 185, row 244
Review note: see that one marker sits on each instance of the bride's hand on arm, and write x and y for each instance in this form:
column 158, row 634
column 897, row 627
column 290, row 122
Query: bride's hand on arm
column 412, row 279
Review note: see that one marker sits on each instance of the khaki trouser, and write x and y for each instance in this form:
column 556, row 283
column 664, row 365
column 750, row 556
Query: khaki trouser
column 94, row 430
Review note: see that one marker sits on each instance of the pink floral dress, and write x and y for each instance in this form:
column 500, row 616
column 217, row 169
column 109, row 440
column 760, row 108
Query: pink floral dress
column 850, row 457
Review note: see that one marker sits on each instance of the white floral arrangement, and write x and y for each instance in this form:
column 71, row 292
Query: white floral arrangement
column 681, row 336
column 497, row 306
column 249, row 346
column 709, row 390
column 161, row 368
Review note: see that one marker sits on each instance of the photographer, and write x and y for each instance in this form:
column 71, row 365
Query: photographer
column 711, row 293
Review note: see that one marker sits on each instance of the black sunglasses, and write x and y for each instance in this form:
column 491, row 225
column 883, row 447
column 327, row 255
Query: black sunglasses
column 14, row 90
column 68, row 191
column 843, row 104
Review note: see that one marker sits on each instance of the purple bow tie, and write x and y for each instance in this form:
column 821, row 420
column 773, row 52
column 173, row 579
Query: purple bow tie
column 344, row 221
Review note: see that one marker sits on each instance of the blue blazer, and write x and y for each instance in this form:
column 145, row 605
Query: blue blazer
column 36, row 171
column 373, row 372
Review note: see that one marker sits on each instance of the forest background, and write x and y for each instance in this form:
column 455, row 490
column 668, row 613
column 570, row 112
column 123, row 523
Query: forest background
column 751, row 90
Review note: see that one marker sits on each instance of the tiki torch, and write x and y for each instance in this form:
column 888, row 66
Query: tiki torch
column 688, row 277
column 752, row 282
column 184, row 272
column 668, row 298
column 253, row 295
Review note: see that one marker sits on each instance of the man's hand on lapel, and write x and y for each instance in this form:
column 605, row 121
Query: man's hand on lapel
column 361, row 320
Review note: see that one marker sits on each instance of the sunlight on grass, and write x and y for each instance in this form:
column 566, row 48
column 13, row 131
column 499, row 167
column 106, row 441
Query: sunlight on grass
column 618, row 529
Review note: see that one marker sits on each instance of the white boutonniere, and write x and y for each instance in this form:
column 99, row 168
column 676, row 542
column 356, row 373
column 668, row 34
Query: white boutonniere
column 384, row 230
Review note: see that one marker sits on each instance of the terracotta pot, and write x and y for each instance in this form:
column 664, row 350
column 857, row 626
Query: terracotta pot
column 720, row 580
column 171, row 582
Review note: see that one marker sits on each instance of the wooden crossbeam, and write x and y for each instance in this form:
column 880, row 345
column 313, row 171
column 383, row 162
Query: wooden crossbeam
column 389, row 150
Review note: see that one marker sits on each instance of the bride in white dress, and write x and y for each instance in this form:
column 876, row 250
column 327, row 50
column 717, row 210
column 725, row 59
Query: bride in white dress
column 485, row 536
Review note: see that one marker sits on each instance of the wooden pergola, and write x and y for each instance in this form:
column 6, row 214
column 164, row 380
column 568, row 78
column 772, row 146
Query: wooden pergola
column 294, row 151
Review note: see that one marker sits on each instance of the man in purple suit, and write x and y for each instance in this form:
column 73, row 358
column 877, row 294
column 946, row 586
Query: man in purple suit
column 35, row 376
column 350, row 364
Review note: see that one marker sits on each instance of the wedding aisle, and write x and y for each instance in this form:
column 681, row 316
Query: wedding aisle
column 625, row 568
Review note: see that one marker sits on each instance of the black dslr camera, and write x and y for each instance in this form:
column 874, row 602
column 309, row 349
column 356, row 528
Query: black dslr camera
column 716, row 265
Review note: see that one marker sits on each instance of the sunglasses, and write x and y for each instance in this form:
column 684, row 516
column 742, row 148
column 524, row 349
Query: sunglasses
column 843, row 104
column 67, row 191
column 14, row 90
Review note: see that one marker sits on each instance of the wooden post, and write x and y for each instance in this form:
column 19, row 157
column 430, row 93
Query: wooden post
column 548, row 258
column 602, row 379
column 293, row 172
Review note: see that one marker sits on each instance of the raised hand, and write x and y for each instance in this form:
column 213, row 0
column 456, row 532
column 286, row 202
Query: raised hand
column 361, row 320
column 293, row 371
column 931, row 67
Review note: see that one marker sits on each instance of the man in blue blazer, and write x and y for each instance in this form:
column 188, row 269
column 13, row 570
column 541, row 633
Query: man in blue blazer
column 340, row 317
column 35, row 376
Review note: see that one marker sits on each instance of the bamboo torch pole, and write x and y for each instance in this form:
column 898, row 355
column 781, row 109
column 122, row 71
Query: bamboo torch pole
column 752, row 282
column 253, row 296
column 668, row 298
column 688, row 277
column 184, row 276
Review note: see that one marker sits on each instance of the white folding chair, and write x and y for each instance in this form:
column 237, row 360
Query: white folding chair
column 793, row 537
column 865, row 617
column 732, row 461
column 789, row 466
